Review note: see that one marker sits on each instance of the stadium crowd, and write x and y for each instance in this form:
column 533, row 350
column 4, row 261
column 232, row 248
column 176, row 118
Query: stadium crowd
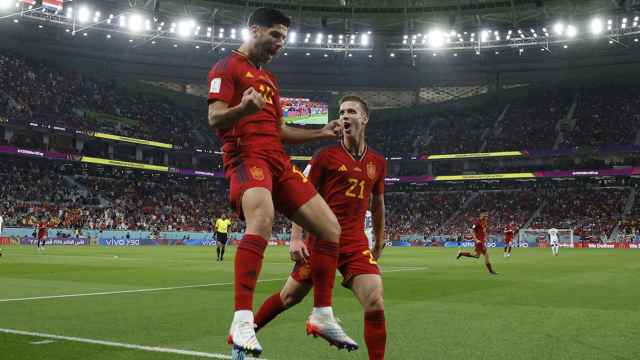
column 107, row 198
column 120, row 199
column 34, row 92
column 504, row 207
column 605, row 115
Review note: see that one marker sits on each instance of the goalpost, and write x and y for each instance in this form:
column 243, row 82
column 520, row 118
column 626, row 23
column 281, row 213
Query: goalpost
column 565, row 236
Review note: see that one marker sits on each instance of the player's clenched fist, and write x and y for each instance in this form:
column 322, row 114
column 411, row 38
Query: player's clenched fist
column 252, row 101
column 333, row 129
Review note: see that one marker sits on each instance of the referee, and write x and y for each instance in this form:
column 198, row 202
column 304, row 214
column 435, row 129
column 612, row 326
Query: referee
column 222, row 234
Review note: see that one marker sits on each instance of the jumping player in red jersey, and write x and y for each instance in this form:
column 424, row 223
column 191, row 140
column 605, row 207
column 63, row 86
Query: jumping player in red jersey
column 41, row 234
column 509, row 232
column 245, row 111
column 480, row 238
column 347, row 176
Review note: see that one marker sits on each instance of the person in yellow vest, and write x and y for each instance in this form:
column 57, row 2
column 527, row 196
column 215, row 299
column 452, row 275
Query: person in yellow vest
column 222, row 233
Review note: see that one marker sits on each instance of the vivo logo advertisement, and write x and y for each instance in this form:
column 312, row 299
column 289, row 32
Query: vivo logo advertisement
column 120, row 242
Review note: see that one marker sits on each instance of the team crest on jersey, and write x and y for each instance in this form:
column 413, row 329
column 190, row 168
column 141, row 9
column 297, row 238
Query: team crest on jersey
column 371, row 170
column 257, row 173
column 342, row 168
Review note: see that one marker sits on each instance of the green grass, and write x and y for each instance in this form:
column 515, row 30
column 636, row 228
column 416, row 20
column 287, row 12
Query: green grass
column 318, row 119
column 584, row 304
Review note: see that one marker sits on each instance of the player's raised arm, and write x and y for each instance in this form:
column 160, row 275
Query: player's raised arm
column 377, row 214
column 291, row 135
column 221, row 116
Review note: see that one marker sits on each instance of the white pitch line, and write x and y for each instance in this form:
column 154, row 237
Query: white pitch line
column 42, row 342
column 404, row 269
column 170, row 288
column 119, row 344
column 127, row 291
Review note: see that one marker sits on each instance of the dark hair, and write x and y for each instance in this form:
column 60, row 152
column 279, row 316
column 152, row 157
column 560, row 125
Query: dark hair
column 357, row 99
column 268, row 17
column 483, row 211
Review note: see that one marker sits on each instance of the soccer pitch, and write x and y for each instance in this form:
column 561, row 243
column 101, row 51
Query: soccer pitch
column 319, row 119
column 176, row 303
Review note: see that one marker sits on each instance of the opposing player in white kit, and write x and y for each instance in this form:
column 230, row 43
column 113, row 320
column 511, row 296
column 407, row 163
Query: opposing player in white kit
column 368, row 228
column 553, row 241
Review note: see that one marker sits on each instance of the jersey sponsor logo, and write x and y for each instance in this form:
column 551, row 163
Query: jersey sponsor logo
column 215, row 86
column 257, row 173
column 371, row 170
column 343, row 168
column 249, row 75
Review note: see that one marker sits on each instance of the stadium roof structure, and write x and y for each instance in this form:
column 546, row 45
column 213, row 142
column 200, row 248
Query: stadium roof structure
column 401, row 16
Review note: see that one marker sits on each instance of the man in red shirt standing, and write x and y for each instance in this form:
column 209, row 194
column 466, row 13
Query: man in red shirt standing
column 347, row 175
column 245, row 111
column 41, row 234
column 509, row 232
column 480, row 238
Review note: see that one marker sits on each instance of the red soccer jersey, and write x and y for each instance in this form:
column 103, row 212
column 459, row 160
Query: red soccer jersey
column 508, row 233
column 480, row 230
column 42, row 229
column 228, row 79
column 346, row 184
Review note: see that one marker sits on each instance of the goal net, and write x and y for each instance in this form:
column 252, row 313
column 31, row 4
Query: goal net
column 538, row 236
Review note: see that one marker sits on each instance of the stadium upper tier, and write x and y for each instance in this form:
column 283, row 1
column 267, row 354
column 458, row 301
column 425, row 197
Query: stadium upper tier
column 542, row 120
column 39, row 93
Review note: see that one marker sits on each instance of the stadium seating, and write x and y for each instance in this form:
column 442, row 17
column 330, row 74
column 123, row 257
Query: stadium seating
column 45, row 95
column 126, row 199
column 114, row 198
column 40, row 93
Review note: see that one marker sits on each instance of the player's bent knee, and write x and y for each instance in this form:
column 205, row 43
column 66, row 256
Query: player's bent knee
column 260, row 222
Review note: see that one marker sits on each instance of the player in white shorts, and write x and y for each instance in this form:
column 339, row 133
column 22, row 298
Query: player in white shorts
column 553, row 241
column 368, row 228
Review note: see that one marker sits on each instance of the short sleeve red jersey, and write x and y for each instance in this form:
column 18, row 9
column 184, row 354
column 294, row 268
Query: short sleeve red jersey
column 508, row 233
column 480, row 231
column 347, row 184
column 42, row 229
column 228, row 79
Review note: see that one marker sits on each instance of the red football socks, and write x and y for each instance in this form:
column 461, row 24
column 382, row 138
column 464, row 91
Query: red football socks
column 468, row 254
column 271, row 308
column 248, row 263
column 324, row 261
column 375, row 334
